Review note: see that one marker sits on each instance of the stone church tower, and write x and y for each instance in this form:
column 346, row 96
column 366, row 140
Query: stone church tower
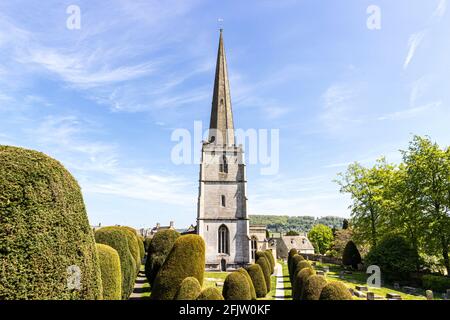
column 222, row 204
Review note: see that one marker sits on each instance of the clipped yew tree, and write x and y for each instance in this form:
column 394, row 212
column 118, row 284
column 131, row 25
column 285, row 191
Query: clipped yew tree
column 158, row 249
column 116, row 238
column 186, row 259
column 189, row 289
column 299, row 282
column 313, row 287
column 141, row 246
column 299, row 267
column 296, row 259
column 335, row 290
column 264, row 264
column 250, row 282
column 269, row 258
column 256, row 274
column 110, row 271
column 133, row 244
column 236, row 287
column 45, row 237
column 291, row 254
column 351, row 256
column 210, row 293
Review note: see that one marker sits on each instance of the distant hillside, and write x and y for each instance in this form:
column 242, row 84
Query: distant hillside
column 298, row 223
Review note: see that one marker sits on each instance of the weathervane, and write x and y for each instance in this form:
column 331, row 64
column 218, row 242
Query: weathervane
column 220, row 23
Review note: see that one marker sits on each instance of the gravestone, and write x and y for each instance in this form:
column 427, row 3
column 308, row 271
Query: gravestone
column 393, row 296
column 359, row 294
column 341, row 274
column 219, row 284
column 362, row 288
column 429, row 295
column 396, row 285
column 370, row 296
column 409, row 289
column 320, row 273
column 326, row 269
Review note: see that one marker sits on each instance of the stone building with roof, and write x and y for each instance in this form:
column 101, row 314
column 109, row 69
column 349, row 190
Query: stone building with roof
column 300, row 242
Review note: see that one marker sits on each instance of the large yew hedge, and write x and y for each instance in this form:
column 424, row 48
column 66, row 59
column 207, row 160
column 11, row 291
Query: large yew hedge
column 299, row 282
column 335, row 290
column 186, row 259
column 133, row 244
column 210, row 293
column 256, row 274
column 313, row 287
column 189, row 289
column 158, row 250
column 44, row 230
column 236, row 287
column 116, row 237
column 250, row 282
column 110, row 270
column 264, row 264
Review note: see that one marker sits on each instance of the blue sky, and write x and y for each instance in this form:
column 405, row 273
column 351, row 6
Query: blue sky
column 105, row 99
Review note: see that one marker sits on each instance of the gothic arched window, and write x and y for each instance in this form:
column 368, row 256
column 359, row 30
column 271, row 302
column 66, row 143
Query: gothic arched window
column 254, row 242
column 224, row 240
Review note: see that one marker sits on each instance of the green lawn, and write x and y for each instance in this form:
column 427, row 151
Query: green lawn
column 286, row 280
column 359, row 278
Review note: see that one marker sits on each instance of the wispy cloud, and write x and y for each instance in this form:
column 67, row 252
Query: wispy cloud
column 441, row 9
column 411, row 112
column 413, row 43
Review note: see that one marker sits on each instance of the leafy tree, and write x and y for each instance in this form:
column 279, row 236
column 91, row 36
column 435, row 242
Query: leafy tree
column 341, row 238
column 321, row 236
column 292, row 233
column 351, row 256
column 345, row 224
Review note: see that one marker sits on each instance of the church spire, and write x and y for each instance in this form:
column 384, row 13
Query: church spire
column 221, row 124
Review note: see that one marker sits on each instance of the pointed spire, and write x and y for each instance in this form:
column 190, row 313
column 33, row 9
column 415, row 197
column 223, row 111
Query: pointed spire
column 221, row 124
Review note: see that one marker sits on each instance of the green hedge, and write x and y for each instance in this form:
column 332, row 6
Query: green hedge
column 299, row 267
column 186, row 259
column 296, row 259
column 291, row 254
column 335, row 290
column 299, row 282
column 44, row 230
column 264, row 264
column 250, row 282
column 436, row 283
column 313, row 287
column 256, row 274
column 236, row 287
column 271, row 258
column 147, row 243
column 271, row 261
column 210, row 293
column 141, row 246
column 158, row 250
column 133, row 243
column 189, row 289
column 110, row 271
column 116, row 238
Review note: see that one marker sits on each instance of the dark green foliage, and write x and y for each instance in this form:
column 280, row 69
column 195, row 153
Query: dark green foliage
column 299, row 282
column 141, row 247
column 335, row 290
column 292, row 233
column 295, row 260
column 110, row 270
column 270, row 258
column 351, row 256
column 116, row 237
column 300, row 266
column 189, row 289
column 291, row 254
column 436, row 283
column 44, row 230
column 345, row 224
column 158, row 250
column 264, row 264
column 147, row 243
column 250, row 282
column 313, row 287
column 186, row 259
column 257, row 275
column 395, row 256
column 236, row 287
column 133, row 244
column 210, row 293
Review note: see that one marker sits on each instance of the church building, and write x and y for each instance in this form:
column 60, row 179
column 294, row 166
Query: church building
column 222, row 203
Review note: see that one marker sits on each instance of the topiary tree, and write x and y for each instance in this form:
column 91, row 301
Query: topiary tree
column 299, row 282
column 141, row 247
column 298, row 267
column 186, row 259
column 189, row 289
column 256, row 274
column 271, row 261
column 250, row 282
column 158, row 250
column 210, row 293
column 133, row 244
column 313, row 286
column 116, row 238
column 236, row 287
column 270, row 255
column 264, row 264
column 291, row 254
column 110, row 271
column 147, row 243
column 395, row 256
column 44, row 230
column 351, row 256
column 335, row 290
column 294, row 262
